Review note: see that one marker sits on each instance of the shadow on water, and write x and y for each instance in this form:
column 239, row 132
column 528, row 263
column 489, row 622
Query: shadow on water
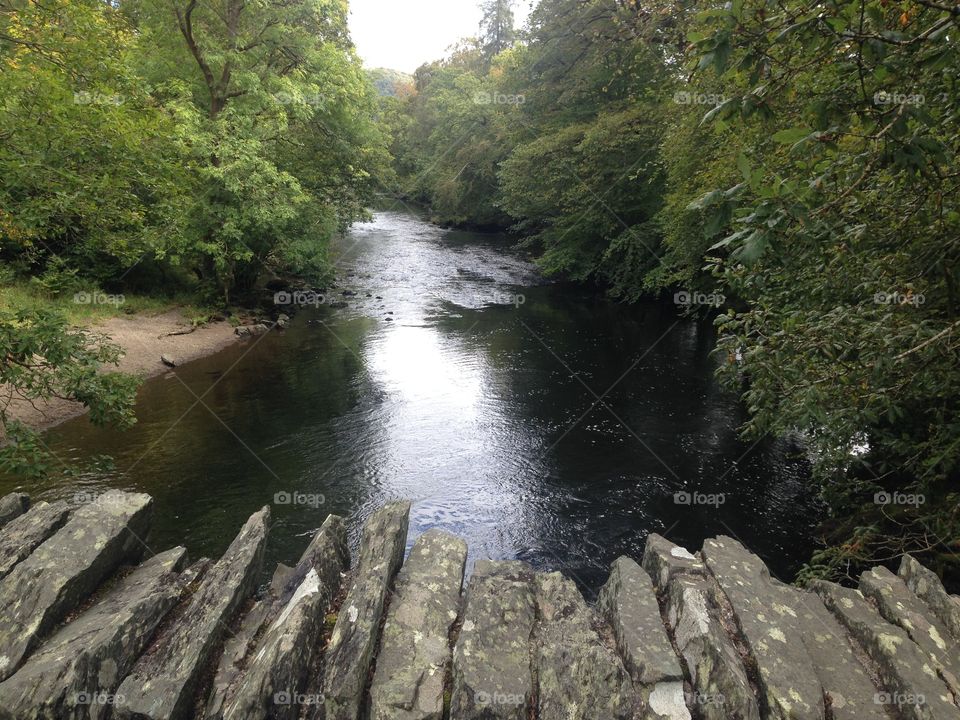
column 536, row 420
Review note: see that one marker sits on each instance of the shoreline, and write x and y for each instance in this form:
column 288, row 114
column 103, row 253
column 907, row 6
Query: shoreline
column 143, row 338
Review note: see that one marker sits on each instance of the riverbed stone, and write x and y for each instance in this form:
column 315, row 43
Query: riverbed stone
column 578, row 677
column 353, row 641
column 65, row 569
column 848, row 687
column 162, row 684
column 662, row 560
column 721, row 687
column 900, row 606
column 74, row 674
column 628, row 602
column 269, row 679
column 788, row 682
column 13, row 505
column 415, row 655
column 23, row 534
column 492, row 674
column 910, row 681
column 927, row 586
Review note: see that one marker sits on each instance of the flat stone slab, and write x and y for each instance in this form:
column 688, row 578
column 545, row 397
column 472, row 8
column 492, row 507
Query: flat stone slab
column 492, row 675
column 13, row 505
column 900, row 606
column 722, row 689
column 354, row 639
column 162, row 684
column 911, row 683
column 789, row 684
column 415, row 654
column 65, row 569
column 76, row 672
column 628, row 602
column 927, row 586
column 23, row 534
column 578, row 677
column 662, row 560
column 851, row 692
column 272, row 683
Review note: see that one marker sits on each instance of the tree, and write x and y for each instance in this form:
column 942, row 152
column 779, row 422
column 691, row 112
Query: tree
column 41, row 358
column 496, row 27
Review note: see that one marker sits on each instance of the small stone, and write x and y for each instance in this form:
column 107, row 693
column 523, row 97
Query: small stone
column 13, row 505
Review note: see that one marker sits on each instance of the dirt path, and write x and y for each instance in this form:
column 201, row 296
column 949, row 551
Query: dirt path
column 144, row 339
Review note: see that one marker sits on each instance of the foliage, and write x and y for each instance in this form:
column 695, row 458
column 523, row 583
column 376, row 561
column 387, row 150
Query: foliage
column 44, row 359
column 841, row 235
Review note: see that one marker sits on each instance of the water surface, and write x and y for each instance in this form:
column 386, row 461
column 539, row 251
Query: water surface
column 536, row 420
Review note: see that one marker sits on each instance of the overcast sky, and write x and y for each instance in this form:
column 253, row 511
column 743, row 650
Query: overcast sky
column 404, row 34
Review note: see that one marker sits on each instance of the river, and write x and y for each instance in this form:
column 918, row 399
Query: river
column 535, row 419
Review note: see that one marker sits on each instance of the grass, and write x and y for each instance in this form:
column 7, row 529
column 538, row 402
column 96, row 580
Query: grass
column 92, row 306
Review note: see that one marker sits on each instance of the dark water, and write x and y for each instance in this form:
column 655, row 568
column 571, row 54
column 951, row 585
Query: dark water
column 480, row 408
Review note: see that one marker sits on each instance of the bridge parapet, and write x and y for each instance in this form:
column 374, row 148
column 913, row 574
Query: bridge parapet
column 89, row 629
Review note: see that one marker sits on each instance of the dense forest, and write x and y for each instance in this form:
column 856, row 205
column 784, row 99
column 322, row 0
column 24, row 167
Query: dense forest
column 785, row 169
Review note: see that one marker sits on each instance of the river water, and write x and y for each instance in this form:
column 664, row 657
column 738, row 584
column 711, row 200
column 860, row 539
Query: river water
column 537, row 420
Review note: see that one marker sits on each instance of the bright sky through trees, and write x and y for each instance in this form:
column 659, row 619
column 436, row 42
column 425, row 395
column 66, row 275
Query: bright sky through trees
column 403, row 34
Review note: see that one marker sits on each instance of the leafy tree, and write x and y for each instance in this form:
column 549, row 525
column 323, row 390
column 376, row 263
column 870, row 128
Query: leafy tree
column 496, row 26
column 841, row 236
column 41, row 359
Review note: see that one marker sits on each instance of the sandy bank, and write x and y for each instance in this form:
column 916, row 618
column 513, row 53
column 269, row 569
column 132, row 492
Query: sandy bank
column 144, row 338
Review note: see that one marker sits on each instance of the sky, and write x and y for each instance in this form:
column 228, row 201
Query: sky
column 404, row 34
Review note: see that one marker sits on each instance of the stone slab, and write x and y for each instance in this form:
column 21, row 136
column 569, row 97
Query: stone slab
column 22, row 535
column 911, row 685
column 75, row 673
column 66, row 568
column 162, row 684
column 492, row 674
column 415, row 654
column 789, row 686
column 357, row 630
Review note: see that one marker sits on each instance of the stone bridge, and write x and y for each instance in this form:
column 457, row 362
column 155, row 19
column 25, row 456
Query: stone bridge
column 91, row 629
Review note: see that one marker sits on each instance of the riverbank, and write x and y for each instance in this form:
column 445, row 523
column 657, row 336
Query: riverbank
column 144, row 338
